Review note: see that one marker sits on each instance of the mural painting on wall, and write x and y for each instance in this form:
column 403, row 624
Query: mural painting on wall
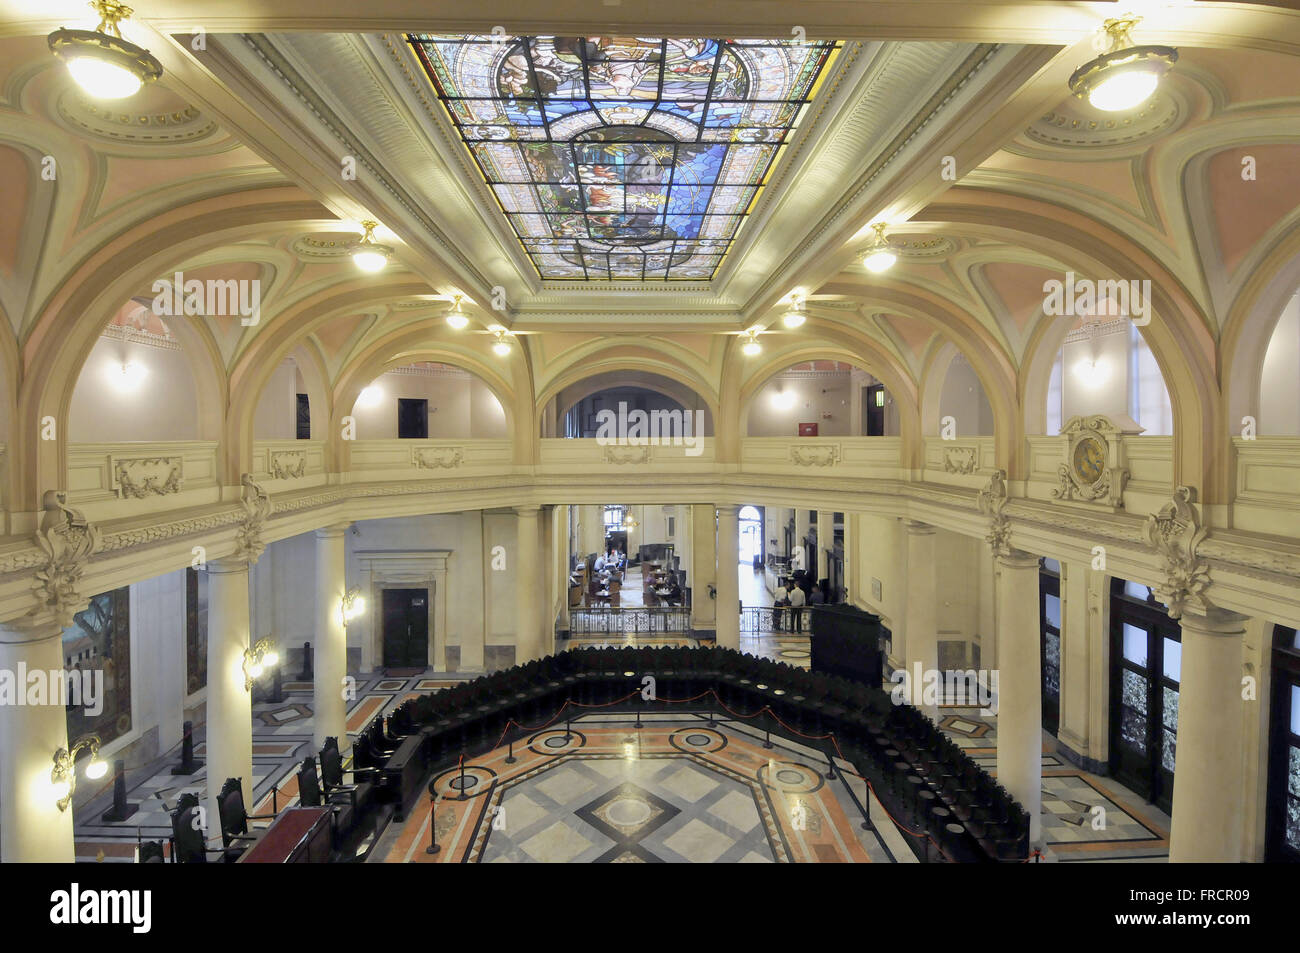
column 97, row 655
column 196, row 631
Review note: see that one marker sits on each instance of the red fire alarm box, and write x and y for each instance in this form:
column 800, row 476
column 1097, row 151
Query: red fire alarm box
column 807, row 430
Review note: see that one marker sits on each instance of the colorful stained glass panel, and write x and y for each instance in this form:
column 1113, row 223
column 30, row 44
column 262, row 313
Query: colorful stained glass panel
column 637, row 148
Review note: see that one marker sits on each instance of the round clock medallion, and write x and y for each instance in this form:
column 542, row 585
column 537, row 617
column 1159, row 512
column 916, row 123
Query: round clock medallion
column 1089, row 460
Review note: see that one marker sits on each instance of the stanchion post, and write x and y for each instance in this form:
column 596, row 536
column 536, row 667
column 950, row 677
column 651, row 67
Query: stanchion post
column 433, row 847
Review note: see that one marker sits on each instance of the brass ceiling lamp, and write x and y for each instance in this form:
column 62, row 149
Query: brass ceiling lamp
column 369, row 255
column 1125, row 76
column 103, row 63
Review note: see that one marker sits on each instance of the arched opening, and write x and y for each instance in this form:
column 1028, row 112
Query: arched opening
column 962, row 399
column 751, row 534
column 822, row 398
column 290, row 407
column 1279, row 380
column 137, row 384
column 1107, row 368
column 428, row 399
column 587, row 408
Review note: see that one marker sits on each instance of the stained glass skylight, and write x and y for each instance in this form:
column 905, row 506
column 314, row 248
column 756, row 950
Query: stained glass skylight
column 623, row 158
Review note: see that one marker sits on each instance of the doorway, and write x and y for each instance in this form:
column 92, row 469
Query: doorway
column 751, row 536
column 1146, row 662
column 406, row 628
column 412, row 418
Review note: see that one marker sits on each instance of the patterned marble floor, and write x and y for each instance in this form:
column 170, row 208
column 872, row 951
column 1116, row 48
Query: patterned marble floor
column 672, row 791
column 1085, row 817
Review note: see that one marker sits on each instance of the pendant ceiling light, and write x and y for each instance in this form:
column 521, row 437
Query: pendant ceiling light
column 795, row 317
column 630, row 522
column 880, row 256
column 456, row 317
column 1126, row 75
column 368, row 254
column 502, row 345
column 751, row 345
column 104, row 64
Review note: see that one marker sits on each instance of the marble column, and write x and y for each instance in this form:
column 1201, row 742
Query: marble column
column 1208, row 779
column 229, row 725
column 330, row 645
column 802, row 521
column 32, row 828
column 1020, row 685
column 920, row 630
column 825, row 543
column 528, row 592
column 704, row 552
column 728, row 613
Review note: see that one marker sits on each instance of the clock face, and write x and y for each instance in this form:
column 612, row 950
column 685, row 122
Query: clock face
column 1089, row 460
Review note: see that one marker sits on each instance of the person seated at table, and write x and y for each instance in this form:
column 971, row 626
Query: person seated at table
column 674, row 594
column 600, row 563
column 797, row 601
column 620, row 559
column 817, row 597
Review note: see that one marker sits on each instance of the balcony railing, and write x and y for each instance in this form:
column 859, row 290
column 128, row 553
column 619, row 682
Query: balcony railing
column 631, row 621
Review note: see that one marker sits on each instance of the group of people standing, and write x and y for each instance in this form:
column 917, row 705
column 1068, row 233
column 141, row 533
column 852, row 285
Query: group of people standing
column 790, row 598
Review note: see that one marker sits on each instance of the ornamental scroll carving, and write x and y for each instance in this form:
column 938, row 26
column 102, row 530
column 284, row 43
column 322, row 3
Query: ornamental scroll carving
column 623, row 455
column 960, row 459
column 992, row 501
column 139, row 477
column 256, row 504
column 1175, row 532
column 288, row 464
column 437, row 458
column 815, row 455
column 66, row 539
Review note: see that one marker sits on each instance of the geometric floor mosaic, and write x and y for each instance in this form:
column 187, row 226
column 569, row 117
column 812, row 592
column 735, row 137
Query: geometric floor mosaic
column 673, row 791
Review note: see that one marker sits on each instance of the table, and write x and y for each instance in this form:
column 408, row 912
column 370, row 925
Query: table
column 298, row 835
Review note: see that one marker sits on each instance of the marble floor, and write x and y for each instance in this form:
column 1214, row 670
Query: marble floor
column 672, row 791
column 655, row 783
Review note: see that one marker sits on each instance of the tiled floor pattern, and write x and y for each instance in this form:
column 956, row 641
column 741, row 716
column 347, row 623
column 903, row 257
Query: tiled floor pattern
column 1085, row 817
column 282, row 737
column 1124, row 829
column 673, row 791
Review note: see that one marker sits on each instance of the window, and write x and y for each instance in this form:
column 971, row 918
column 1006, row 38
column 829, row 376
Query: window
column 613, row 517
column 1148, row 399
column 1282, row 830
column 304, row 417
column 1054, row 397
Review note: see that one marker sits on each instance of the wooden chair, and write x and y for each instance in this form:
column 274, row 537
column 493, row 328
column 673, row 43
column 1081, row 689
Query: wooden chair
column 188, row 843
column 332, row 774
column 615, row 596
column 234, row 819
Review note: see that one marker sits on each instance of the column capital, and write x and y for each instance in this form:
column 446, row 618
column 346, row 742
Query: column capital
column 1016, row 559
column 38, row 627
column 527, row 510
column 236, row 562
column 333, row 530
column 917, row 528
column 729, row 509
column 1213, row 621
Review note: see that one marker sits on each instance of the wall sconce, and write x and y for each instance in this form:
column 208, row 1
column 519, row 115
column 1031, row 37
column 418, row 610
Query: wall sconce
column 354, row 604
column 713, row 591
column 63, row 776
column 257, row 660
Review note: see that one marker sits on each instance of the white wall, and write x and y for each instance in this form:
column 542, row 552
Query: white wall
column 814, row 394
column 276, row 417
column 161, row 407
column 1279, row 386
column 964, row 400
column 460, row 406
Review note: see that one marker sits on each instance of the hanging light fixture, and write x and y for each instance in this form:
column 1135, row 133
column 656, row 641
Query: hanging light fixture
column 502, row 345
column 103, row 63
column 368, row 254
column 880, row 256
column 1126, row 75
column 630, row 522
column 795, row 316
column 456, row 317
column 751, row 345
